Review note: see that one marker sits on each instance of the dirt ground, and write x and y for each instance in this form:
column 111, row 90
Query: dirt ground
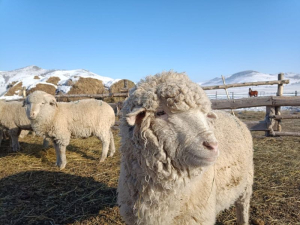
column 34, row 191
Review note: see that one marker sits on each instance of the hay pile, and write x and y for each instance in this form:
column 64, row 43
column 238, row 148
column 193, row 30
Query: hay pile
column 48, row 88
column 122, row 86
column 84, row 86
column 15, row 89
column 53, row 80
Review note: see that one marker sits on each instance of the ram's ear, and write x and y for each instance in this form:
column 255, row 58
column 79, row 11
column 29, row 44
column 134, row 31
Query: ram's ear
column 212, row 115
column 135, row 115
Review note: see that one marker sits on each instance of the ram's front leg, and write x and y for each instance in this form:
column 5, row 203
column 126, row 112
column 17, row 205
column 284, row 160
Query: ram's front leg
column 1, row 135
column 61, row 160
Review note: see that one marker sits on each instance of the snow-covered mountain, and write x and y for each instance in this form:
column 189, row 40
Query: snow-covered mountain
column 32, row 75
column 254, row 76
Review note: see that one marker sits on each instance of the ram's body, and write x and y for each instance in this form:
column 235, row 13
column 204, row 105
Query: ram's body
column 181, row 162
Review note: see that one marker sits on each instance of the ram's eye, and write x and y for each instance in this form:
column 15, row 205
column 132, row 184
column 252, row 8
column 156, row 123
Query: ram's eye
column 160, row 113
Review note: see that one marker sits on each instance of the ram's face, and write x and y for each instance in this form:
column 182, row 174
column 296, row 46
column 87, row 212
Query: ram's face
column 187, row 137
column 37, row 103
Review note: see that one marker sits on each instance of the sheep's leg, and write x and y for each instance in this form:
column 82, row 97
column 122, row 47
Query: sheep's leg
column 105, row 138
column 242, row 206
column 45, row 143
column 112, row 148
column 61, row 160
column 14, row 135
column 1, row 135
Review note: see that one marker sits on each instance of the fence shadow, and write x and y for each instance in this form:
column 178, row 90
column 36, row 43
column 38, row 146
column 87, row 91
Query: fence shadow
column 43, row 197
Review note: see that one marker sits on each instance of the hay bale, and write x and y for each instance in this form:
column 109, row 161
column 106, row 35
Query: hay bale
column 11, row 85
column 48, row 88
column 84, row 86
column 122, row 86
column 53, row 80
column 16, row 89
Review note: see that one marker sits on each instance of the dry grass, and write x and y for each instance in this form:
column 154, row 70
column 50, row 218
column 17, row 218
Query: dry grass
column 33, row 191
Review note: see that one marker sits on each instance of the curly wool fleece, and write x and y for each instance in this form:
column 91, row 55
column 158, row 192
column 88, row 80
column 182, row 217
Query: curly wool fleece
column 165, row 177
column 179, row 91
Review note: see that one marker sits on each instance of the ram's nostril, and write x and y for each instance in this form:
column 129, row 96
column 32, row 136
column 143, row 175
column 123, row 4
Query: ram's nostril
column 210, row 145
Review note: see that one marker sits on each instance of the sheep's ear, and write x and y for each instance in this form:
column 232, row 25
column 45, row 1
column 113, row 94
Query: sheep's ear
column 212, row 115
column 132, row 117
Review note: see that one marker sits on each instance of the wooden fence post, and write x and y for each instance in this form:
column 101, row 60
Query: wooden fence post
column 270, row 112
column 227, row 93
column 279, row 93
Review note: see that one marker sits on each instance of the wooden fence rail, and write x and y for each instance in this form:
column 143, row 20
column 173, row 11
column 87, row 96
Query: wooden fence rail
column 272, row 123
column 256, row 102
column 278, row 82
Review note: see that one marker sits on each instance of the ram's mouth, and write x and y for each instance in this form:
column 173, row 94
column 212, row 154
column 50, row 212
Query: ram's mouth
column 197, row 160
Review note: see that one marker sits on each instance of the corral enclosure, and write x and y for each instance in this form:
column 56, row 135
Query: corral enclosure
column 34, row 191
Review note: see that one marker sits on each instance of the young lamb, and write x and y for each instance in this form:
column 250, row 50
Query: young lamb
column 181, row 163
column 79, row 119
column 13, row 119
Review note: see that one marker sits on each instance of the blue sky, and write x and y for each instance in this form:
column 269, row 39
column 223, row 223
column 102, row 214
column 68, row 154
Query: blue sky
column 133, row 39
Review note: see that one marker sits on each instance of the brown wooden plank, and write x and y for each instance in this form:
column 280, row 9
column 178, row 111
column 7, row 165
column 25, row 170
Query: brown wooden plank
column 294, row 134
column 279, row 117
column 245, row 84
column 256, row 102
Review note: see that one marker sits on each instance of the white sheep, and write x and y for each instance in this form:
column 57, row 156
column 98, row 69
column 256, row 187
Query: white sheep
column 61, row 121
column 181, row 163
column 13, row 119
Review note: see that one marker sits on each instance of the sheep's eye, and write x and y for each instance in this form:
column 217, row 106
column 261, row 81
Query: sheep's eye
column 160, row 113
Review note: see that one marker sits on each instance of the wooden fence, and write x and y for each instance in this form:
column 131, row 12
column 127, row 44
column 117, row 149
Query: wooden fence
column 272, row 124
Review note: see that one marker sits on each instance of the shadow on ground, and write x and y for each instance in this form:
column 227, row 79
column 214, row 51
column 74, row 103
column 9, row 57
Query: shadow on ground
column 42, row 197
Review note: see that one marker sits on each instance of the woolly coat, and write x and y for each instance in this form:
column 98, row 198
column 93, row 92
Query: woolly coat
column 159, row 183
column 80, row 119
column 13, row 118
column 13, row 115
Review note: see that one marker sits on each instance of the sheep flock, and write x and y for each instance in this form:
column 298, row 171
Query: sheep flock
column 181, row 162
